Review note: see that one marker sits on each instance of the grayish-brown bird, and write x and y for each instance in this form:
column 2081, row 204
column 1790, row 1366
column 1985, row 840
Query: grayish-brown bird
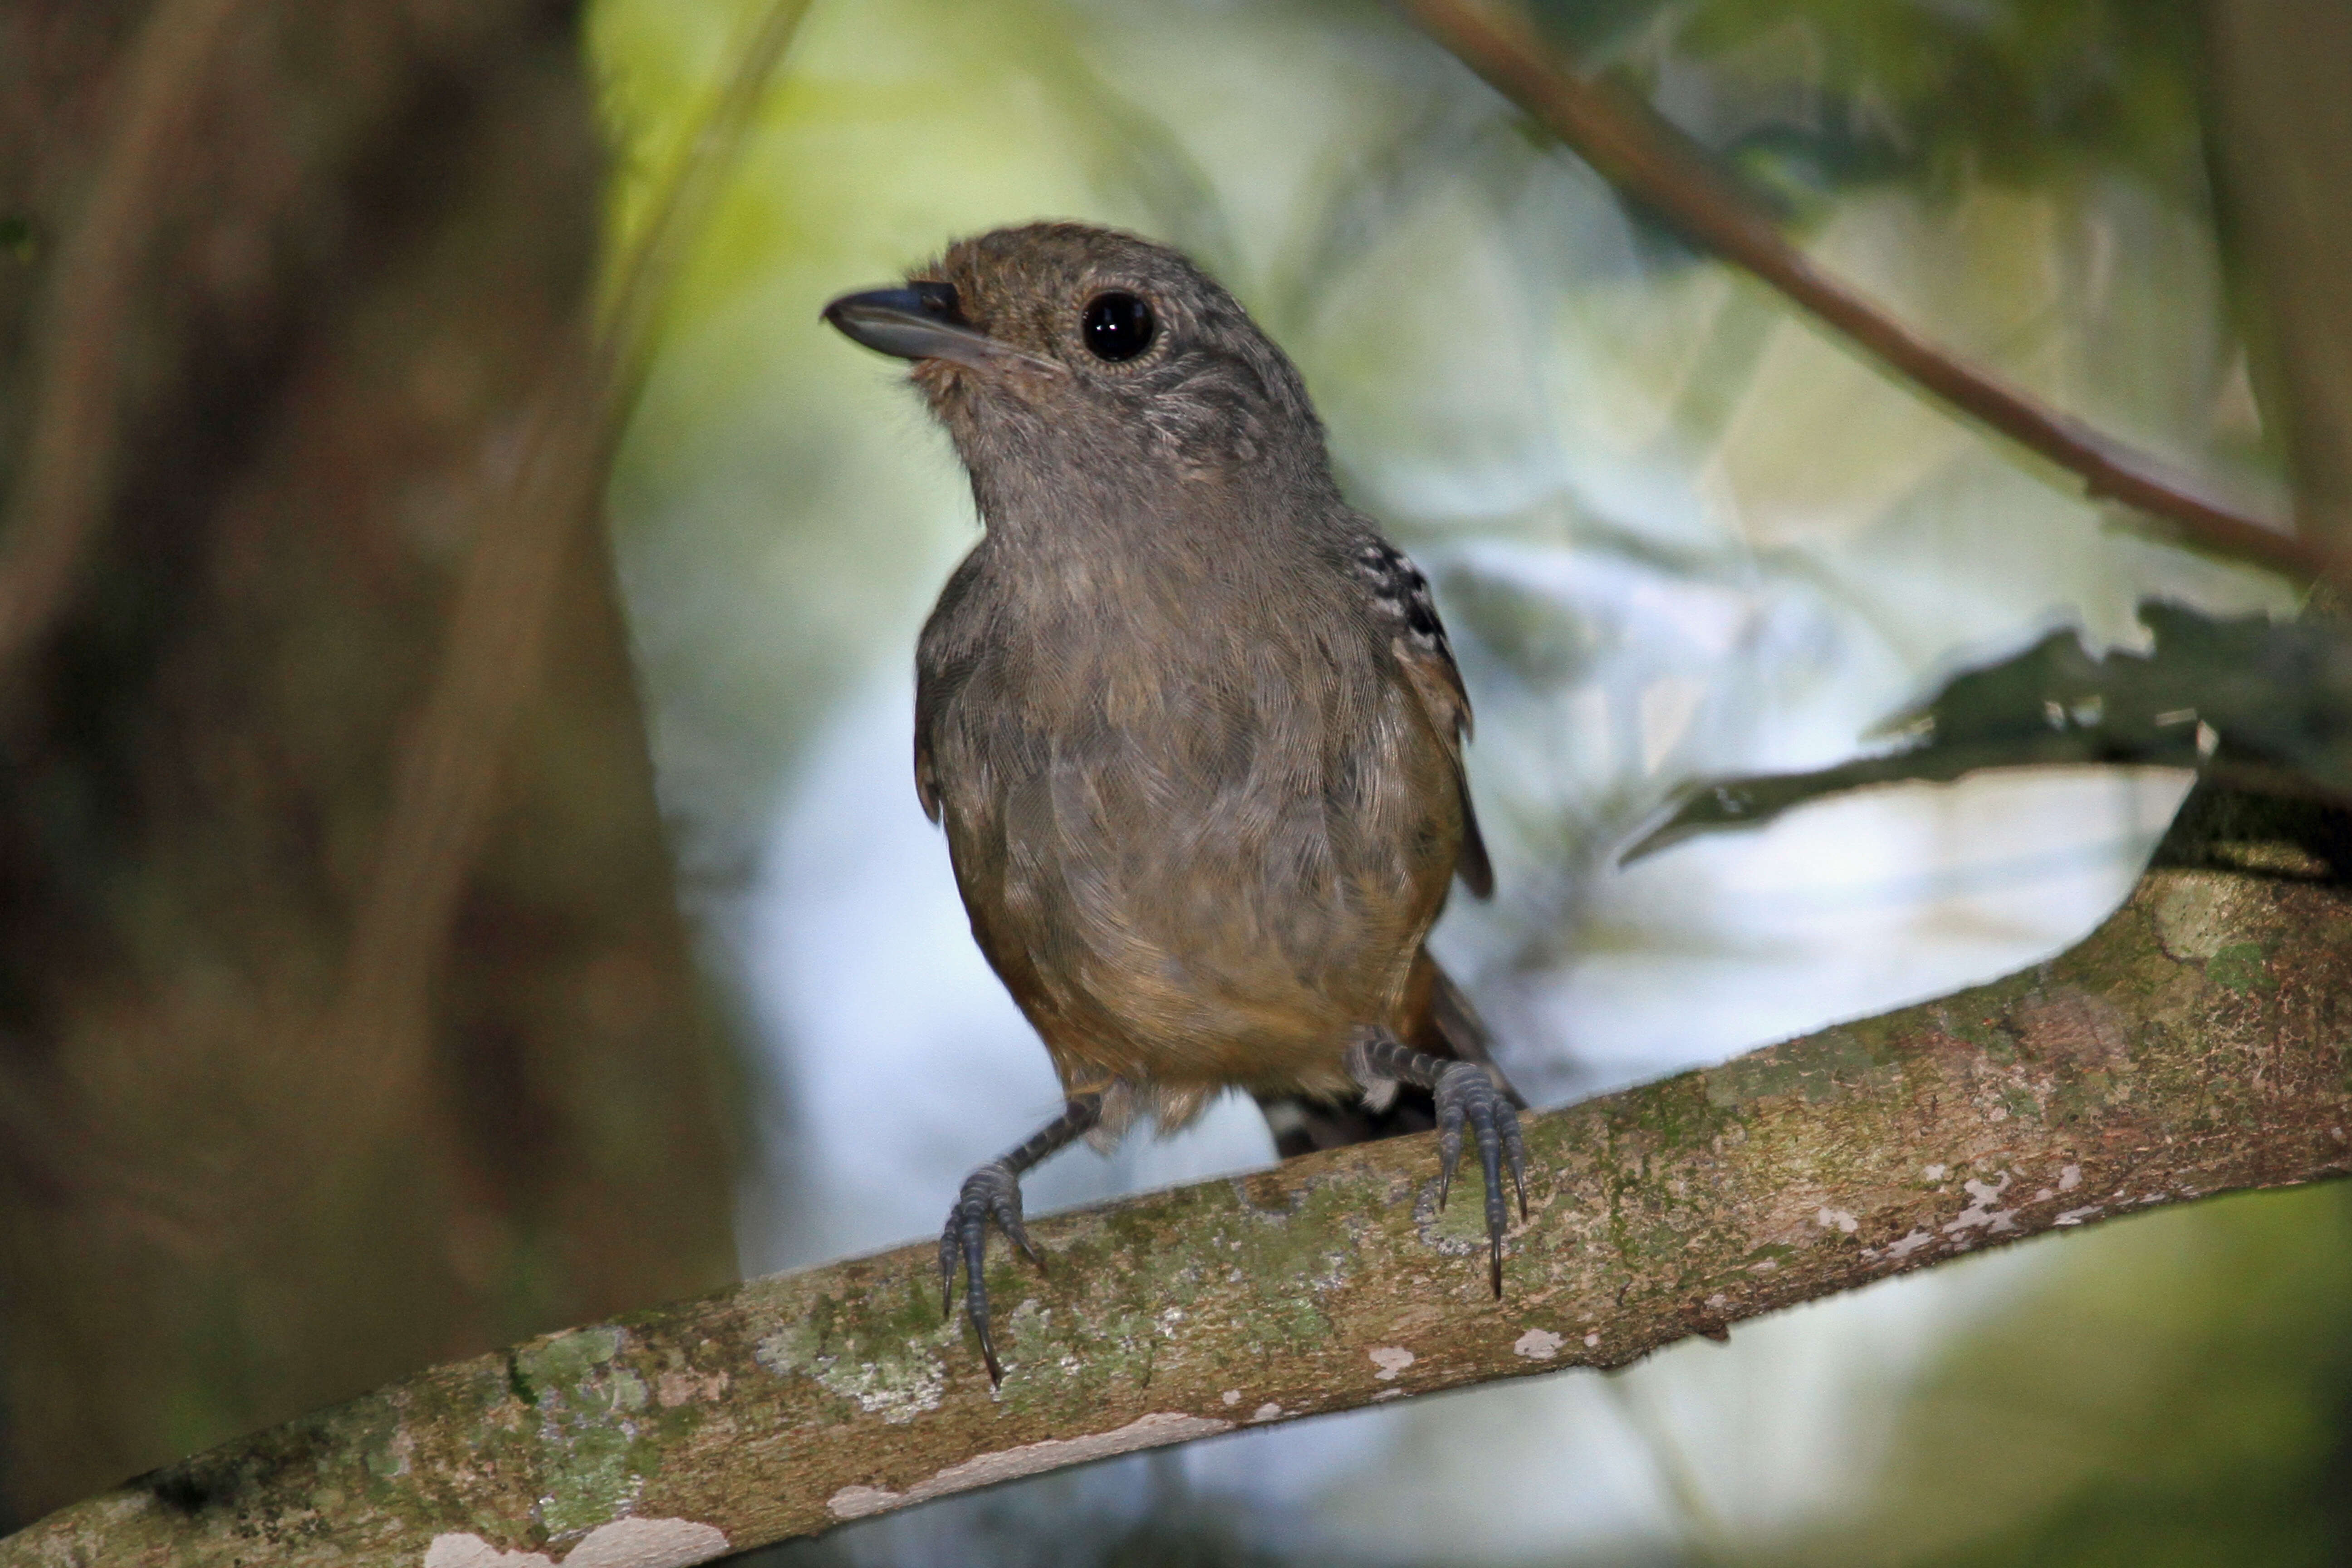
column 1191, row 725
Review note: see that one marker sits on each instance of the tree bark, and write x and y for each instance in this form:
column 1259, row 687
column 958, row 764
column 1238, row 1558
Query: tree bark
column 2199, row 1042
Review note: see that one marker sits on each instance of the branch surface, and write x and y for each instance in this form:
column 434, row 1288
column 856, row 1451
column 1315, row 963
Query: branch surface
column 2200, row 1041
column 1648, row 158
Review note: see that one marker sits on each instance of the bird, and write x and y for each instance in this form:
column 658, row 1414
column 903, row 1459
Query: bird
column 1191, row 725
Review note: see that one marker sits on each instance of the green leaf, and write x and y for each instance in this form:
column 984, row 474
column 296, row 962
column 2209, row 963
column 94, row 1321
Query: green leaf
column 2263, row 695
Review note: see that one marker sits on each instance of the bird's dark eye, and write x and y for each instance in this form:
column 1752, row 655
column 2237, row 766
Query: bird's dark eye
column 1117, row 326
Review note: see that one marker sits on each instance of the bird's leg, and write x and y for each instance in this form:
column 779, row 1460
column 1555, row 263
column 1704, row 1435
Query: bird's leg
column 1464, row 1092
column 993, row 1191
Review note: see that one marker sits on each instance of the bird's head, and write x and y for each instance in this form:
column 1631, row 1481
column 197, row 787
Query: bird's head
column 1063, row 353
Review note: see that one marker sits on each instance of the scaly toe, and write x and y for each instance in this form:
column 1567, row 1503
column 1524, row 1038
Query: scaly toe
column 992, row 1191
column 1466, row 1093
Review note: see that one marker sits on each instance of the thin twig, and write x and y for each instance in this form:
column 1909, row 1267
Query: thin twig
column 1637, row 151
column 681, row 211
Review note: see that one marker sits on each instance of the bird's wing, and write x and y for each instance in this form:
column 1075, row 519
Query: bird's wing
column 943, row 659
column 927, row 779
column 1400, row 596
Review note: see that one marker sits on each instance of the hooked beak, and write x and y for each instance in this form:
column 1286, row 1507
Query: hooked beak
column 919, row 322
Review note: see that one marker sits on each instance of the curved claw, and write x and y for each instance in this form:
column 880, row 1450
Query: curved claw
column 1465, row 1092
column 991, row 1191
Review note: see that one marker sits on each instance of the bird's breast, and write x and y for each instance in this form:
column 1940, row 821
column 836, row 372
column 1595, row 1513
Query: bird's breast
column 1197, row 849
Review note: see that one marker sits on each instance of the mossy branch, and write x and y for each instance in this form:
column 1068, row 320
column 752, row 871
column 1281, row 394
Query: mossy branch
column 2199, row 1042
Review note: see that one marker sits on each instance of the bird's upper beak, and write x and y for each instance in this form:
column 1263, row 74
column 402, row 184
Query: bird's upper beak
column 919, row 322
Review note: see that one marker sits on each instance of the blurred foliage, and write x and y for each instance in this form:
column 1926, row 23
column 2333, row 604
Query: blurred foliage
column 1815, row 95
column 2272, row 694
column 2177, row 1390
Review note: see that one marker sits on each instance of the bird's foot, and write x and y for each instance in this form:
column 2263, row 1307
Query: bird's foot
column 1466, row 1092
column 992, row 1191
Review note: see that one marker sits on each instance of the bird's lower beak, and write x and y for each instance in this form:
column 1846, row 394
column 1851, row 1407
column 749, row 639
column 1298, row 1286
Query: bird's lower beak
column 919, row 322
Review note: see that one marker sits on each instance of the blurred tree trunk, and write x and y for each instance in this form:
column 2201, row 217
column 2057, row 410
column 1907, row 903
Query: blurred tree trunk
column 2279, row 91
column 286, row 294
